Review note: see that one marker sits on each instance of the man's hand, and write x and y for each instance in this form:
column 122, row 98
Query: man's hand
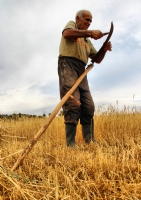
column 96, row 34
column 108, row 47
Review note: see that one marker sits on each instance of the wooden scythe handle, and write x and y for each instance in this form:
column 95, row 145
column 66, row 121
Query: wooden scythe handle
column 50, row 118
column 58, row 107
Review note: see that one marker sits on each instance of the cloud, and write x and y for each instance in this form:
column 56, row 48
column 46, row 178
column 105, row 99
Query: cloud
column 30, row 36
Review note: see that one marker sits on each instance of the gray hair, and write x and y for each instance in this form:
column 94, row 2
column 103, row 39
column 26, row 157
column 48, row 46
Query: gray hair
column 80, row 13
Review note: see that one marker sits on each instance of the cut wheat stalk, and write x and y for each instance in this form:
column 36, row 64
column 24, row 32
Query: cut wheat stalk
column 11, row 154
column 14, row 136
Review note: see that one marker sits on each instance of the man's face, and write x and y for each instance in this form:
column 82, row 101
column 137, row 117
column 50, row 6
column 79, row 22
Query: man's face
column 84, row 22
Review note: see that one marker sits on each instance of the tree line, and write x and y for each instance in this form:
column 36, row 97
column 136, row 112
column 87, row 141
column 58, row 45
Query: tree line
column 16, row 116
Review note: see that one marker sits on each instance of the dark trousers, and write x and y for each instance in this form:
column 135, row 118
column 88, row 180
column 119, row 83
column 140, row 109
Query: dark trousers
column 69, row 70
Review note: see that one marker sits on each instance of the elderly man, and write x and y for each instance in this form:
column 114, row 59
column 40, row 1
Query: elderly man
column 74, row 52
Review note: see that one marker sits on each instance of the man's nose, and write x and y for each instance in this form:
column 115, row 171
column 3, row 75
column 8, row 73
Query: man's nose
column 89, row 22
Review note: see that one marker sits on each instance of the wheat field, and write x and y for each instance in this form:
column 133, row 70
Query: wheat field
column 109, row 170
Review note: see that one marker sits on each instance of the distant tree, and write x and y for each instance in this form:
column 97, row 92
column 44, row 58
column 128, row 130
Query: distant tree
column 49, row 114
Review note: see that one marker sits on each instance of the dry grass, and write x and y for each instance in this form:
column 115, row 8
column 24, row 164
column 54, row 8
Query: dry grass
column 108, row 171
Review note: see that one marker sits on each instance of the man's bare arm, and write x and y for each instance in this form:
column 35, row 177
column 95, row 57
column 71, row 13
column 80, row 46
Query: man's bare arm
column 74, row 34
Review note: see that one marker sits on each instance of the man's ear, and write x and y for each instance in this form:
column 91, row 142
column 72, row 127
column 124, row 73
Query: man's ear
column 77, row 18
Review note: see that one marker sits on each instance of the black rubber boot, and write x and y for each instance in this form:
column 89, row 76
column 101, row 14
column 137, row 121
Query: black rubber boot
column 70, row 134
column 92, row 131
column 88, row 132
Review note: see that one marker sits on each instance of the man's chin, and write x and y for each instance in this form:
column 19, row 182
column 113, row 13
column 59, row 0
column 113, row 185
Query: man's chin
column 85, row 28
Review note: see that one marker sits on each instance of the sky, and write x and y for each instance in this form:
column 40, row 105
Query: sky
column 29, row 47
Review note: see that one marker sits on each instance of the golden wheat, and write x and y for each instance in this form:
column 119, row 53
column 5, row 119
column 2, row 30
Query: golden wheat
column 51, row 171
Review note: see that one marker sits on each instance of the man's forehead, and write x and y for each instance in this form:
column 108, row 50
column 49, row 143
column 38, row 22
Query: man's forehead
column 87, row 14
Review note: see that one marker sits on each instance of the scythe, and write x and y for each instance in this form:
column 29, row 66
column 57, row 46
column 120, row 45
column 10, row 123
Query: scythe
column 61, row 103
